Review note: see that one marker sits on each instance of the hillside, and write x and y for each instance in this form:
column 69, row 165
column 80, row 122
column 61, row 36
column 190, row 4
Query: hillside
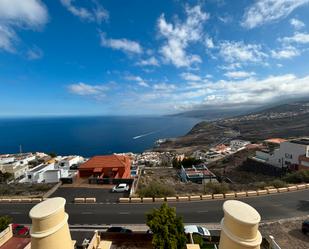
column 286, row 120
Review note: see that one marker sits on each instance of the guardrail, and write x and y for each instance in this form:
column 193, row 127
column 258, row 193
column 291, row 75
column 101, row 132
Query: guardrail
column 231, row 195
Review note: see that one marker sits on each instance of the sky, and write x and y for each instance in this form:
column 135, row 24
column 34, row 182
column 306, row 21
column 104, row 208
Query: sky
column 137, row 57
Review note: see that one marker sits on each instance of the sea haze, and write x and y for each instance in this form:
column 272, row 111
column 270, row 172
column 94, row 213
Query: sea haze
column 88, row 136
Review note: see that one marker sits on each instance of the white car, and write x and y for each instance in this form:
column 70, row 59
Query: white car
column 122, row 187
column 193, row 229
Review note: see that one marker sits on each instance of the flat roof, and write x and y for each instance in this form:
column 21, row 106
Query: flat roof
column 304, row 141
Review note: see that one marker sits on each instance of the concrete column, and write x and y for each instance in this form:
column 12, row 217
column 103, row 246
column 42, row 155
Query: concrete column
column 240, row 226
column 50, row 228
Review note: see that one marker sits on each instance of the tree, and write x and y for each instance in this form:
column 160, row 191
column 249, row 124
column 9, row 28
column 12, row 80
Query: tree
column 4, row 222
column 167, row 228
column 190, row 161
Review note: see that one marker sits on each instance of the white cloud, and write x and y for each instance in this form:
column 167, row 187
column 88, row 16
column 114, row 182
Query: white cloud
column 16, row 14
column 7, row 38
column 301, row 38
column 96, row 14
column 239, row 74
column 285, row 53
column 164, row 87
column 152, row 61
column 84, row 89
column 254, row 91
column 190, row 77
column 35, row 53
column 297, row 24
column 239, row 52
column 138, row 79
column 180, row 35
column 123, row 44
column 266, row 11
column 209, row 42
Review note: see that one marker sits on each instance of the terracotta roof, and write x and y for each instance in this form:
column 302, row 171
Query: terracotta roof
column 109, row 161
column 275, row 140
column 16, row 243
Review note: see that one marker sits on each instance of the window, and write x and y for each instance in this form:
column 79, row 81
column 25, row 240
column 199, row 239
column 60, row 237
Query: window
column 289, row 156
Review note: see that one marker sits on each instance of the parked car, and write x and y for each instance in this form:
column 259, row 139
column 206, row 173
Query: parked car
column 122, row 187
column 118, row 230
column 305, row 227
column 193, row 229
column 20, row 229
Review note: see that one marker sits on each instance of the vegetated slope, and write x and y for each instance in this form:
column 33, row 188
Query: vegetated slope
column 286, row 120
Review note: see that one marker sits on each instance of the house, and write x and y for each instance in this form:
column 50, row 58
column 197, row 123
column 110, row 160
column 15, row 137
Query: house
column 293, row 154
column 238, row 144
column 108, row 166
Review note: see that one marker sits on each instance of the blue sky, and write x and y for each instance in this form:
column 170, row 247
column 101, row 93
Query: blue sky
column 127, row 57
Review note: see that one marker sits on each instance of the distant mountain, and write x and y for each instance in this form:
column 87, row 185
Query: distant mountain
column 212, row 114
column 285, row 120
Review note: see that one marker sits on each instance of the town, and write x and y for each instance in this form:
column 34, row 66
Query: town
column 154, row 177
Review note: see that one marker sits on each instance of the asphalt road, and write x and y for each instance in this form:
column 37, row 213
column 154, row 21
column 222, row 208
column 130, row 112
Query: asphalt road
column 271, row 207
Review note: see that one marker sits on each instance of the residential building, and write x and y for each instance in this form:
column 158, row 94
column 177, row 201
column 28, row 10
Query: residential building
column 68, row 161
column 108, row 166
column 238, row 144
column 292, row 154
column 196, row 174
column 37, row 174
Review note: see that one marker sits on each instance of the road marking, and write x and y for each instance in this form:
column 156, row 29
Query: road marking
column 15, row 213
column 203, row 211
column 124, row 213
column 86, row 212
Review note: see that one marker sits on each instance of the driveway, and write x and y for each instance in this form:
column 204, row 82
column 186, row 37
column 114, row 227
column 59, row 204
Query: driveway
column 102, row 195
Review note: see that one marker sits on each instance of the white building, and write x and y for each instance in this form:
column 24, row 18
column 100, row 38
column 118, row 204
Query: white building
column 37, row 174
column 68, row 161
column 238, row 144
column 288, row 154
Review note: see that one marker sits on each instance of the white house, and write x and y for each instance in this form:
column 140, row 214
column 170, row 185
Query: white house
column 288, row 154
column 37, row 174
column 68, row 161
column 238, row 144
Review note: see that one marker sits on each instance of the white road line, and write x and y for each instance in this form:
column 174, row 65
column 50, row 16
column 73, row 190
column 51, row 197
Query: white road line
column 124, row 213
column 15, row 213
column 86, row 212
column 203, row 211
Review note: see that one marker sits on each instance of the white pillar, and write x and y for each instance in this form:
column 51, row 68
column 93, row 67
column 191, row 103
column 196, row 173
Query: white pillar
column 240, row 226
column 50, row 228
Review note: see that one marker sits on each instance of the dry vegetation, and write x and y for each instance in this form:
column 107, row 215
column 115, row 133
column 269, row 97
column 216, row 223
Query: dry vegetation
column 168, row 177
column 23, row 189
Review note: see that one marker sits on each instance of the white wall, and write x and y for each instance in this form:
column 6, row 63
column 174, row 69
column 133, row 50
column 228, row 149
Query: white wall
column 288, row 153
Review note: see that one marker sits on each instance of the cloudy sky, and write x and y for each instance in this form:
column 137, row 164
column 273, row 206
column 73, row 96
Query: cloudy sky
column 126, row 57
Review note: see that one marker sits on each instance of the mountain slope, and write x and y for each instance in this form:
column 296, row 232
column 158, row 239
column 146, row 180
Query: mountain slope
column 286, row 120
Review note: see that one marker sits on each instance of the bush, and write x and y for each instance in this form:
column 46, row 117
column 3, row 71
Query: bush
column 155, row 189
column 216, row 188
column 301, row 176
column 4, row 222
column 277, row 183
column 167, row 228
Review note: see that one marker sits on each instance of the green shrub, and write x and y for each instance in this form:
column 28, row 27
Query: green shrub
column 277, row 183
column 216, row 188
column 301, row 176
column 155, row 189
column 167, row 228
column 4, row 222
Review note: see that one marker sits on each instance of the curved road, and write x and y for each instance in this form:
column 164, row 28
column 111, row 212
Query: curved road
column 271, row 207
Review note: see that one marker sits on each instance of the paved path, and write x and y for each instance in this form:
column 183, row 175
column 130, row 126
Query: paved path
column 271, row 207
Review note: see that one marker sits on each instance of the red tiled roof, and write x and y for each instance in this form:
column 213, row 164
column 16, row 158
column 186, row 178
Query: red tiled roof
column 275, row 140
column 110, row 161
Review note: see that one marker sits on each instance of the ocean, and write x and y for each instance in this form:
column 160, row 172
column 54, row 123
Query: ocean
column 88, row 136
